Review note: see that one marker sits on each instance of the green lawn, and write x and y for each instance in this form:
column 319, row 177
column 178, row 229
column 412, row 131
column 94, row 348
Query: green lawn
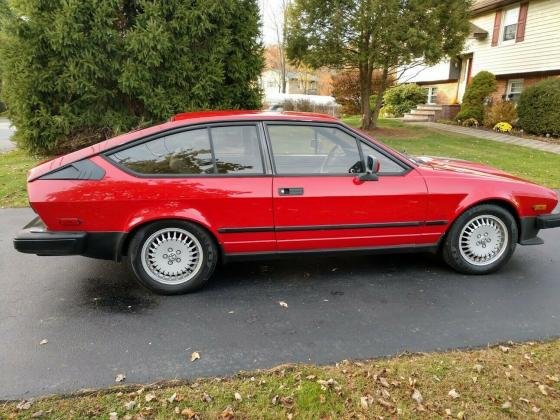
column 13, row 173
column 540, row 167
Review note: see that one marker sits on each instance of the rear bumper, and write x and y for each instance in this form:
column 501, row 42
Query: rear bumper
column 36, row 239
column 530, row 227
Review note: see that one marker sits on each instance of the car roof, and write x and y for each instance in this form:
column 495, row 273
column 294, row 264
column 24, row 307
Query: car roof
column 213, row 116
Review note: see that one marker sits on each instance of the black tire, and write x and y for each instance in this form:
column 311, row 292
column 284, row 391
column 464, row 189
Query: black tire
column 451, row 251
column 209, row 258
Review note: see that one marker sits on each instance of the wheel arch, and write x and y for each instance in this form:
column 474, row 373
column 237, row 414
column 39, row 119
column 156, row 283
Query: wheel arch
column 500, row 202
column 123, row 245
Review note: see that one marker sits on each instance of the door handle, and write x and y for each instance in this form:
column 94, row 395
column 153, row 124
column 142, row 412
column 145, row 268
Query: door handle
column 290, row 191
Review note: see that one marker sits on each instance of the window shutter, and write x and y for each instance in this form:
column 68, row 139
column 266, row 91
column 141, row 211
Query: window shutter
column 497, row 24
column 523, row 9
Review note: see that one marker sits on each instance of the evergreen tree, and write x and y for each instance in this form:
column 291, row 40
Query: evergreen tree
column 75, row 72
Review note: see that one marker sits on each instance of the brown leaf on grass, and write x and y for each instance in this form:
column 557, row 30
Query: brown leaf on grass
column 130, row 405
column 24, row 405
column 120, row 377
column 330, row 384
column 113, row 416
column 478, row 367
column 461, row 415
column 417, row 396
column 149, row 397
column 504, row 349
column 553, row 378
column 274, row 400
column 227, row 413
column 453, row 394
column 543, row 390
column 535, row 409
column 172, row 398
column 38, row 414
column 189, row 413
column 364, row 402
column 506, row 405
column 206, row 398
column 384, row 403
column 448, row 412
column 238, row 397
column 525, row 400
column 287, row 402
column 195, row 356
column 310, row 377
column 474, row 379
column 383, row 381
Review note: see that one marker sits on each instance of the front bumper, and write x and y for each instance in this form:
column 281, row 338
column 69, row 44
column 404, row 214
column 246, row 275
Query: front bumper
column 36, row 239
column 530, row 227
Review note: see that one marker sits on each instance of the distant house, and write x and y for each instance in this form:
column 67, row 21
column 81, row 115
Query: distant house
column 296, row 82
column 519, row 42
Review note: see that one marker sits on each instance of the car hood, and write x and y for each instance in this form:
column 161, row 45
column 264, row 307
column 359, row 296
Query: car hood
column 464, row 167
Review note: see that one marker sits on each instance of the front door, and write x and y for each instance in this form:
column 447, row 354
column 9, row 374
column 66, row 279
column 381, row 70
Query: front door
column 319, row 204
column 466, row 67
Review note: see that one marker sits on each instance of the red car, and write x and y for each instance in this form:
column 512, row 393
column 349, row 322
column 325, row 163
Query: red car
column 177, row 198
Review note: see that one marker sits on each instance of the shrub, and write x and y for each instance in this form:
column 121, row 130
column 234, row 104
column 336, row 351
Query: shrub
column 481, row 86
column 346, row 90
column 400, row 99
column 470, row 122
column 539, row 108
column 500, row 112
column 503, row 127
column 2, row 107
column 75, row 71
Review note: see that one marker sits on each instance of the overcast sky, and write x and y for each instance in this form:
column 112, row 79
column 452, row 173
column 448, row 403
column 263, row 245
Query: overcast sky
column 268, row 9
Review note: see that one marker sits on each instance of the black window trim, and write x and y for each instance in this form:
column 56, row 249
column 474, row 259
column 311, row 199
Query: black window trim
column 359, row 139
column 176, row 130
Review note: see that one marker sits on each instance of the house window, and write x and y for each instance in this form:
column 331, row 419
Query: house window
column 511, row 17
column 431, row 95
column 514, row 89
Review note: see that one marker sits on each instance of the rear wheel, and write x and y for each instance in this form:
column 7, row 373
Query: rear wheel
column 172, row 257
column 481, row 240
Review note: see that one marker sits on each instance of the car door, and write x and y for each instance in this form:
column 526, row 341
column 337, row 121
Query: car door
column 319, row 201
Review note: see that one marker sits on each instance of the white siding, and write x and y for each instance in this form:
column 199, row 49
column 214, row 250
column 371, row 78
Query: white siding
column 426, row 74
column 540, row 51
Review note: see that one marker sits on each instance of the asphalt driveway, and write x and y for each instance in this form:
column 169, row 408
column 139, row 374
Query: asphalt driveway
column 6, row 131
column 99, row 323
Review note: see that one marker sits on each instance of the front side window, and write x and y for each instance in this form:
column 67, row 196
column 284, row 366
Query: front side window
column 511, row 17
column 235, row 150
column 187, row 152
column 387, row 165
column 301, row 149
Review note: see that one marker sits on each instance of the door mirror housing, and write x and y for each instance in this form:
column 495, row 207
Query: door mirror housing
column 372, row 169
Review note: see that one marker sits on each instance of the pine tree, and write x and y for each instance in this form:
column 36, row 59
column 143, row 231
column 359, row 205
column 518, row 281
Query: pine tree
column 75, row 72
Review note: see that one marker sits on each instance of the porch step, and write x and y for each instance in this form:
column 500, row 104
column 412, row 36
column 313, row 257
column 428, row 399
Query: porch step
column 430, row 113
column 429, row 107
column 416, row 118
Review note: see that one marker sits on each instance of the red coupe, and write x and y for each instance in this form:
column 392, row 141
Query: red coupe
column 177, row 198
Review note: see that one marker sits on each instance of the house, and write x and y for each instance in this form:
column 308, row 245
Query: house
column 297, row 82
column 519, row 42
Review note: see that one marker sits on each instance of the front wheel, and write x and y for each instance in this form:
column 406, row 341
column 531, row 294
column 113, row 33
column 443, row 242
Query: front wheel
column 481, row 240
column 172, row 257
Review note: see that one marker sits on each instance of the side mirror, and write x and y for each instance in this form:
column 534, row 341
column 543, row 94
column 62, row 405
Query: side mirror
column 372, row 169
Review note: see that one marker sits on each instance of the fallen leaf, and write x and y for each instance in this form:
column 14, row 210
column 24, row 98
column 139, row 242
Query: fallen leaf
column 310, row 377
column 453, row 394
column 553, row 378
column 417, row 396
column 506, row 405
column 448, row 411
column 227, row 413
column 525, row 400
column 130, row 405
column 195, row 356
column 478, row 368
column 474, row 379
column 237, row 396
column 43, row 341
column 504, row 349
column 289, row 416
column 383, row 382
column 113, row 416
column 461, row 415
column 149, row 397
column 287, row 402
column 535, row 409
column 172, row 398
column 120, row 377
column 543, row 390
column 364, row 402
column 283, row 304
column 384, row 403
column 189, row 413
column 275, row 400
column 24, row 405
column 37, row 414
column 206, row 398
column 385, row 393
